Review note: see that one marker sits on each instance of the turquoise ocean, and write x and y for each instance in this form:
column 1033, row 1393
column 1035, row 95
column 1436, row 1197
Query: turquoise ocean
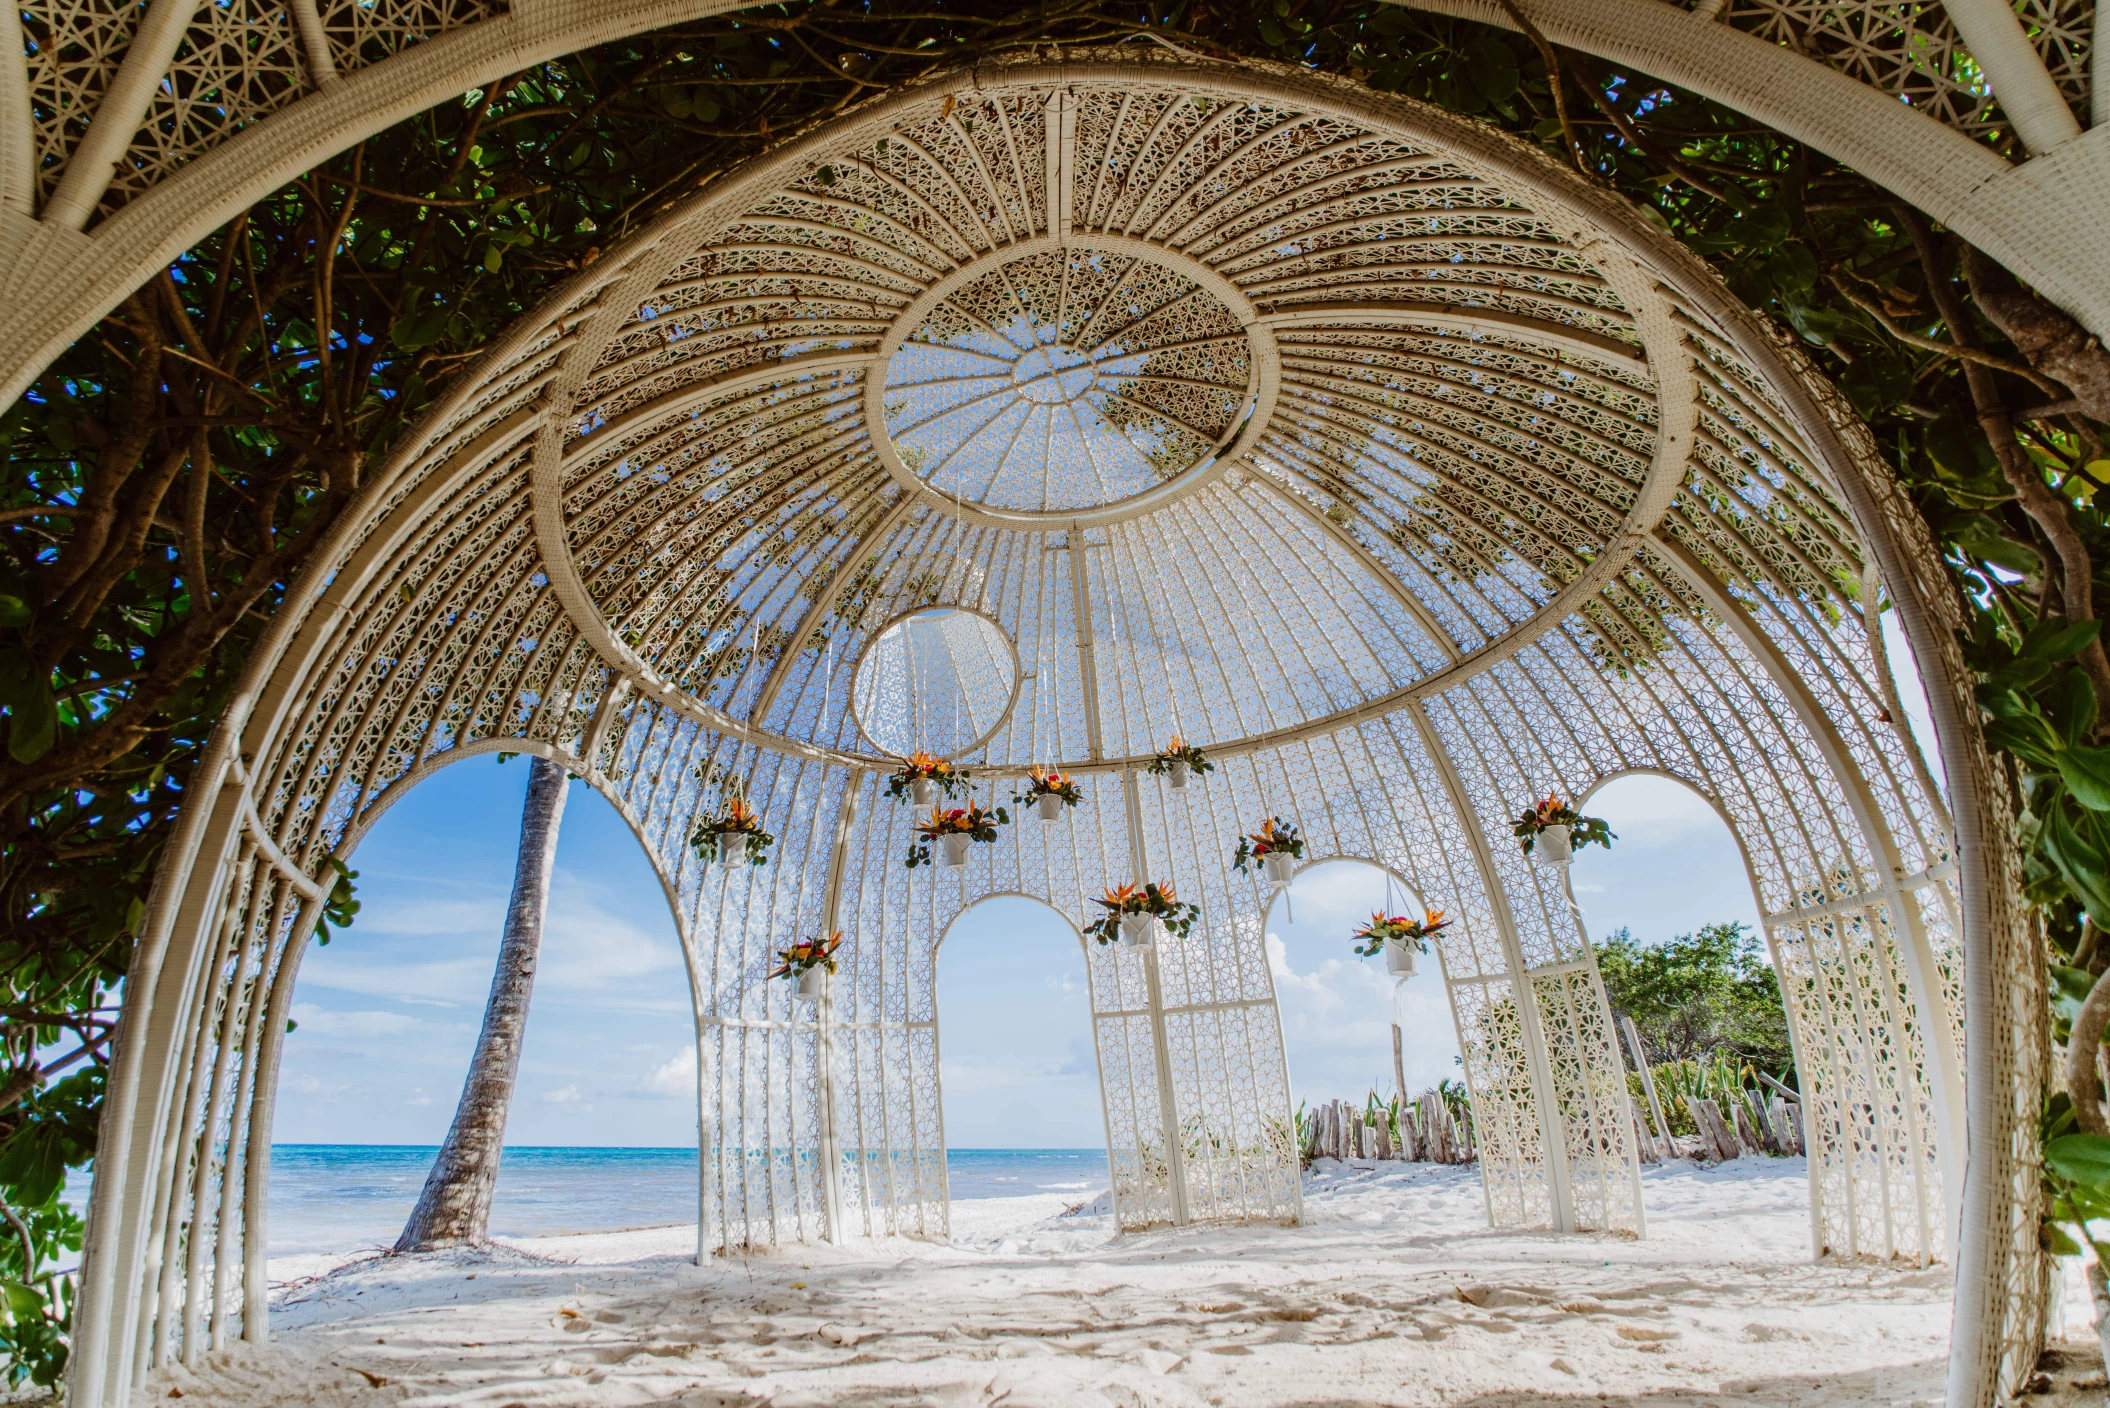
column 334, row 1197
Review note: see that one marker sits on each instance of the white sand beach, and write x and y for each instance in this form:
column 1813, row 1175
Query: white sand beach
column 1394, row 1292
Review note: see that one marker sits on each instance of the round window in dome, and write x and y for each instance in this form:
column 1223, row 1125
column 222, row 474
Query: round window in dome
column 1065, row 379
column 940, row 680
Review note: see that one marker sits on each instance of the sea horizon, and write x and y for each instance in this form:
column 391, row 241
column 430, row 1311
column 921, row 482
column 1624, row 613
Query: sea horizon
column 343, row 1197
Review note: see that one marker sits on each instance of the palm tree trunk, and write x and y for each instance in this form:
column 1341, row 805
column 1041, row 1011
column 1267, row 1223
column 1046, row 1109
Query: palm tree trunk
column 455, row 1207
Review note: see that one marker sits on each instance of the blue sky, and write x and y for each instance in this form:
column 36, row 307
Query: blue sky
column 389, row 1011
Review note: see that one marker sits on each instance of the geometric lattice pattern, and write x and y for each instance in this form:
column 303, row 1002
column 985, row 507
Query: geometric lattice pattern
column 1446, row 481
column 1910, row 48
column 237, row 61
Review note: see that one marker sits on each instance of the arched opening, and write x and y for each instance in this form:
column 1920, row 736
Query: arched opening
column 601, row 1134
column 1692, row 982
column 1351, row 1031
column 1018, row 1068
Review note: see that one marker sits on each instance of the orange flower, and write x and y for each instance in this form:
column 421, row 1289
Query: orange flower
column 1178, row 745
column 1432, row 920
column 737, row 816
column 1117, row 900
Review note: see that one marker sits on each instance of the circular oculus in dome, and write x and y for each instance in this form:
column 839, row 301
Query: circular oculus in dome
column 1068, row 377
column 939, row 680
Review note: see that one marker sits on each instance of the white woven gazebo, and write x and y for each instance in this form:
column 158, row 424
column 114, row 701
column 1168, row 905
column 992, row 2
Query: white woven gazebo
column 1037, row 414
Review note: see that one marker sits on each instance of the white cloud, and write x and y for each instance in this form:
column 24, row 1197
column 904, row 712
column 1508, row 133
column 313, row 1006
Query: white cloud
column 418, row 1099
column 428, row 916
column 323, row 1022
column 589, row 942
column 460, row 981
column 569, row 1095
column 674, row 1078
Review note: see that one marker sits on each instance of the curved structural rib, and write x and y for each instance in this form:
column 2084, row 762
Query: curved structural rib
column 1542, row 504
column 2037, row 219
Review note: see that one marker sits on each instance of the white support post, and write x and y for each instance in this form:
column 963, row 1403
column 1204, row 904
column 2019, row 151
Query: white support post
column 1160, row 1043
column 1553, row 1137
column 1062, row 163
column 92, row 165
column 2035, row 107
column 18, row 145
column 315, row 44
column 824, row 1015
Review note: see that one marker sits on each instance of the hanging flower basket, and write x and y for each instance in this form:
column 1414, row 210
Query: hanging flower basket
column 951, row 831
column 736, row 834
column 1276, row 848
column 1133, row 912
column 1552, row 830
column 1180, row 760
column 808, row 963
column 1052, row 792
column 923, row 779
column 1400, row 939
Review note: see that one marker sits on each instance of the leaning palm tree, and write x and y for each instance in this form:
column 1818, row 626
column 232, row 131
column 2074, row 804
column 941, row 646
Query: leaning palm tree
column 455, row 1207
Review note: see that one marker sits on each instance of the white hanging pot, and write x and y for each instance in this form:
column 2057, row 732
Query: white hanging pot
column 1400, row 958
column 1553, row 847
column 1280, row 867
column 1179, row 773
column 923, row 791
column 732, row 846
column 812, row 982
column 955, row 844
column 1137, row 930
column 1050, row 807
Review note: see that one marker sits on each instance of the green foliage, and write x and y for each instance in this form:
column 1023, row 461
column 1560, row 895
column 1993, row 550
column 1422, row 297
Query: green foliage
column 1699, row 998
column 51, row 1131
column 2077, row 1179
column 176, row 468
column 36, row 1297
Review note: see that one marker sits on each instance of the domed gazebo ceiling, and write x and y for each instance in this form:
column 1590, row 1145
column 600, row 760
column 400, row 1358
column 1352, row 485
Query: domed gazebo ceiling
column 1039, row 413
column 1331, row 412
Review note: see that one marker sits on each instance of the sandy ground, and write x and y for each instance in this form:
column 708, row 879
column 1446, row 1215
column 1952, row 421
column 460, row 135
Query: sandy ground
column 1394, row 1292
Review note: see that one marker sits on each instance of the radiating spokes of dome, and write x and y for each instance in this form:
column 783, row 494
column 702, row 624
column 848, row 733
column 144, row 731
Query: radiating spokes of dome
column 940, row 680
column 1066, row 379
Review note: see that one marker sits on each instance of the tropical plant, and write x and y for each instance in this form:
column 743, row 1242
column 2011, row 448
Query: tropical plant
column 38, row 1296
column 710, row 843
column 1582, row 830
column 1040, row 783
column 1705, row 995
column 1151, row 898
column 922, row 767
column 1274, row 837
column 1382, row 928
column 1179, row 750
column 806, row 955
column 969, row 821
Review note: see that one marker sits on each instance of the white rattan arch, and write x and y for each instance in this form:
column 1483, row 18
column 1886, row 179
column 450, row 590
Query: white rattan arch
column 145, row 123
column 1533, row 501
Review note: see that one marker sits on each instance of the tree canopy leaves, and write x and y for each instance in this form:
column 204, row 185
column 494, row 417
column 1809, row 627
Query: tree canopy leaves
column 1698, row 996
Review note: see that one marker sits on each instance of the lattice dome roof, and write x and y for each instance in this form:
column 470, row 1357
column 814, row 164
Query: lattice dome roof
column 1044, row 412
column 1331, row 410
